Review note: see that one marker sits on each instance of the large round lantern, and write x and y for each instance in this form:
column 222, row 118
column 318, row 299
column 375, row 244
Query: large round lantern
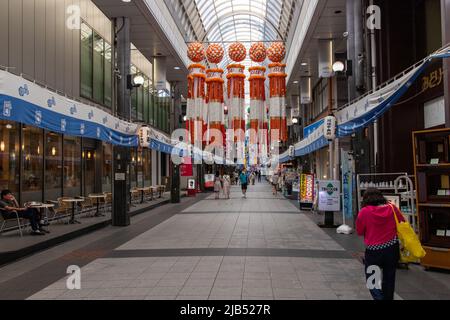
column 237, row 52
column 276, row 52
column 196, row 52
column 215, row 53
column 258, row 52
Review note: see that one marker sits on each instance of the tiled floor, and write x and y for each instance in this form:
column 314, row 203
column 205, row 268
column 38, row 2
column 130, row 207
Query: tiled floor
column 259, row 248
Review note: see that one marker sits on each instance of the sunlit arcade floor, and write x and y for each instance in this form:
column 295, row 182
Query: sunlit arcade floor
column 259, row 248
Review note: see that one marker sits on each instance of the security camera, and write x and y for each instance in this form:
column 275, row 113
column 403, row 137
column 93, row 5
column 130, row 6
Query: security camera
column 345, row 34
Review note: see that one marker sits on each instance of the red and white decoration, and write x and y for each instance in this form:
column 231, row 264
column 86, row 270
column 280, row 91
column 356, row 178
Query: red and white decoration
column 258, row 52
column 237, row 52
column 215, row 53
column 257, row 107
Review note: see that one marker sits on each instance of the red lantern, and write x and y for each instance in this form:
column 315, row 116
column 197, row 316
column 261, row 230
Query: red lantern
column 258, row 52
column 237, row 52
column 215, row 53
column 196, row 52
column 276, row 52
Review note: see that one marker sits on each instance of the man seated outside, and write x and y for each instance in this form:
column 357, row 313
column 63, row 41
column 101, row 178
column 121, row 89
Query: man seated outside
column 9, row 206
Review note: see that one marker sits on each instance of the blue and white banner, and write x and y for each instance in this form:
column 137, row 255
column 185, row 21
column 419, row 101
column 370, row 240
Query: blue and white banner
column 26, row 102
column 366, row 110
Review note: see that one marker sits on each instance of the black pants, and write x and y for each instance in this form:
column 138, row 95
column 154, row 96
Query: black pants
column 387, row 260
column 30, row 214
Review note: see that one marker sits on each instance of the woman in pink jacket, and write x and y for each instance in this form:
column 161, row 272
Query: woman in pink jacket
column 377, row 224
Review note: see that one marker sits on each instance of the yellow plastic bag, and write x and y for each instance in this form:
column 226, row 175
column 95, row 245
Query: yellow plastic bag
column 411, row 249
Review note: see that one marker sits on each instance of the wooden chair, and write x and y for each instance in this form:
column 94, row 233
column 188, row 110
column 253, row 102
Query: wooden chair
column 135, row 196
column 87, row 206
column 62, row 210
column 148, row 194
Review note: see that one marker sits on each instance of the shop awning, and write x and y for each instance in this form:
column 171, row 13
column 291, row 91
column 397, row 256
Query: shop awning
column 29, row 103
column 368, row 108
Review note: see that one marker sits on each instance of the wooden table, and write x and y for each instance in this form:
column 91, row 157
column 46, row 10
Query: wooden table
column 142, row 190
column 97, row 197
column 73, row 201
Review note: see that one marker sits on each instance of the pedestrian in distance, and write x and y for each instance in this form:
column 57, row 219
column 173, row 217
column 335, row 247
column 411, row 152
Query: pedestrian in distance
column 226, row 186
column 275, row 180
column 217, row 185
column 243, row 178
column 376, row 222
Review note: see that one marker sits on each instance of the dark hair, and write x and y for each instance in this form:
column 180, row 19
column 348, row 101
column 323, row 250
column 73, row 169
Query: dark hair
column 6, row 192
column 373, row 197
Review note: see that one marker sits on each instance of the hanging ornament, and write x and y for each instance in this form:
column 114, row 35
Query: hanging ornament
column 278, row 120
column 258, row 52
column 215, row 53
column 236, row 100
column 195, row 103
column 196, row 52
column 276, row 52
column 237, row 52
column 215, row 100
column 257, row 108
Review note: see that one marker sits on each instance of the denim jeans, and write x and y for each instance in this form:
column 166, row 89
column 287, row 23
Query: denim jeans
column 387, row 260
column 30, row 214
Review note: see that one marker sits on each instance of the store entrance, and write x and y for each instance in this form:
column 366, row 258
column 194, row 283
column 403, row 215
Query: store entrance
column 89, row 171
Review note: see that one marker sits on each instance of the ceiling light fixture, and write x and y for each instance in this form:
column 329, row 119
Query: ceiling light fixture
column 338, row 66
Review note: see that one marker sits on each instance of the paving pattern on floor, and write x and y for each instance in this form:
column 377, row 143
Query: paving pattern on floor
column 259, row 248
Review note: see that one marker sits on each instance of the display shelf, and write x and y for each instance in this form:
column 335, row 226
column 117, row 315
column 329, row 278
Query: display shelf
column 433, row 207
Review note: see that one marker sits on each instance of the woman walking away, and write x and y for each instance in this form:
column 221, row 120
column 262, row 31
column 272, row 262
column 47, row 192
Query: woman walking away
column 226, row 186
column 217, row 185
column 376, row 222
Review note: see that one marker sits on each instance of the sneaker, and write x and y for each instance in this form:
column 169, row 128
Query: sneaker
column 37, row 233
column 44, row 230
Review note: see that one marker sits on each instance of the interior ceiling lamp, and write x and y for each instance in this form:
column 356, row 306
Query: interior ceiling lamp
column 277, row 77
column 196, row 105
column 294, row 120
column 236, row 90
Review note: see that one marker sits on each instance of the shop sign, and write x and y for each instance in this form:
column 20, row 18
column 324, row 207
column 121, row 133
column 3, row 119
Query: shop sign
column 191, row 184
column 330, row 128
column 186, row 169
column 347, row 185
column 433, row 80
column 307, row 188
column 209, row 180
column 144, row 137
column 329, row 196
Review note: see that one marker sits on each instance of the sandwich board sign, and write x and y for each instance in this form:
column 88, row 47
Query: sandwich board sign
column 329, row 195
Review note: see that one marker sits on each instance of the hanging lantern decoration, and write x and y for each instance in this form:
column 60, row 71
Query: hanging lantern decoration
column 276, row 52
column 236, row 100
column 278, row 120
column 195, row 102
column 257, row 106
column 215, row 53
column 215, row 99
column 237, row 52
column 196, row 52
column 258, row 52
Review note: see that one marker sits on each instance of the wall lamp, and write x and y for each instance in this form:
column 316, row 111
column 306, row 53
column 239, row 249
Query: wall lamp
column 135, row 81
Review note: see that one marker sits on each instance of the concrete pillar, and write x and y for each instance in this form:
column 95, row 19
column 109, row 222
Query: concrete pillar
column 445, row 10
column 121, row 161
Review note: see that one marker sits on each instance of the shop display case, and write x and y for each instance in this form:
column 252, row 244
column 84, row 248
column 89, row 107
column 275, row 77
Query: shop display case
column 432, row 170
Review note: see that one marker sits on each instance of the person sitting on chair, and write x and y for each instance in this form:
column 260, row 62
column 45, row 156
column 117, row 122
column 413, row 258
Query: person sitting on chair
column 9, row 206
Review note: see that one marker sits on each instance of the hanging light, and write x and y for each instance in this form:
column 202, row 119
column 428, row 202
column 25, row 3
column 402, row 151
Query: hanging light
column 53, row 151
column 338, row 66
column 2, row 146
column 89, row 155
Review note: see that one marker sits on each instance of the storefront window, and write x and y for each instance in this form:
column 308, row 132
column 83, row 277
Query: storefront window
column 9, row 156
column 133, row 168
column 53, row 166
column 32, row 155
column 99, row 68
column 140, row 170
column 107, row 168
column 147, row 168
column 86, row 61
column 88, row 156
column 72, row 166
